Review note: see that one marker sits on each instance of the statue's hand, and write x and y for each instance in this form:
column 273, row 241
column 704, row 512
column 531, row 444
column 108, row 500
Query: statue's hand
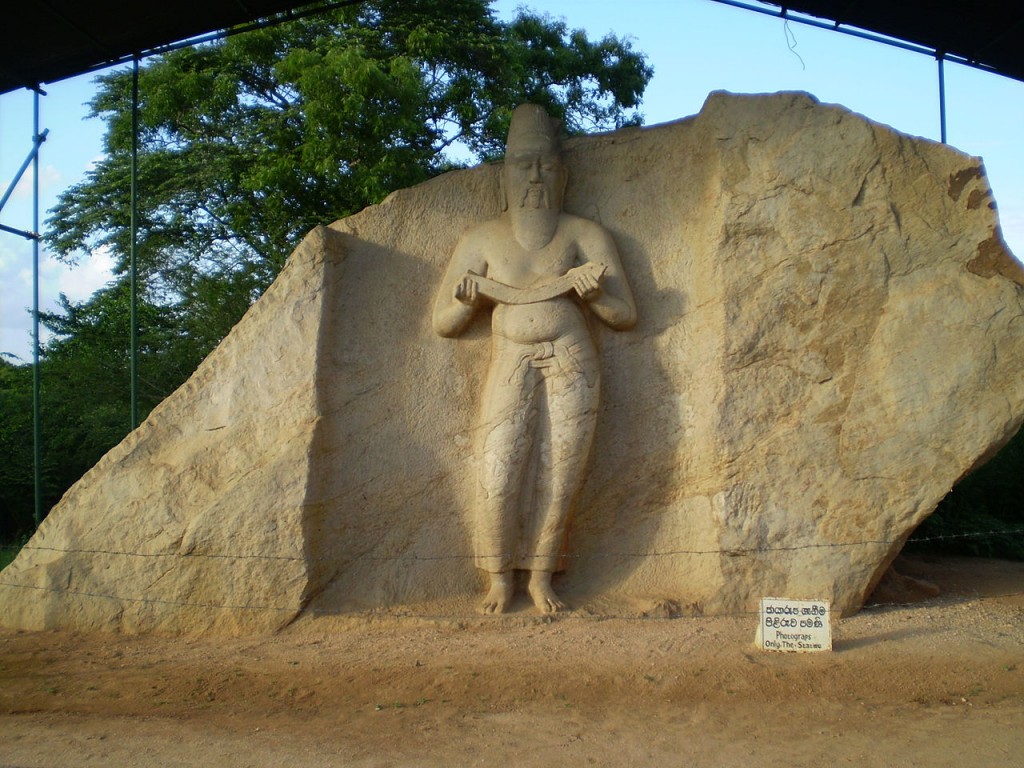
column 586, row 280
column 468, row 291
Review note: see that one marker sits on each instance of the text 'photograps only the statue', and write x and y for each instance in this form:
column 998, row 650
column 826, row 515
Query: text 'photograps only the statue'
column 545, row 272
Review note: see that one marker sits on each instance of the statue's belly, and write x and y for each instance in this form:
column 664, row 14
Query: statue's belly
column 544, row 321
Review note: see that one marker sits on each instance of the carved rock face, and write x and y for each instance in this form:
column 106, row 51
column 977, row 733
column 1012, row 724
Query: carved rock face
column 830, row 335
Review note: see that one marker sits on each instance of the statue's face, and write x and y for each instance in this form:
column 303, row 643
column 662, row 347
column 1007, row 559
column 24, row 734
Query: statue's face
column 534, row 178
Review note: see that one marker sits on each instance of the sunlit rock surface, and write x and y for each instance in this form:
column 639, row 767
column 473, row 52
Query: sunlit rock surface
column 830, row 336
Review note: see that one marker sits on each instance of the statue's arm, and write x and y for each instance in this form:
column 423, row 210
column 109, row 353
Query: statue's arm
column 611, row 299
column 458, row 297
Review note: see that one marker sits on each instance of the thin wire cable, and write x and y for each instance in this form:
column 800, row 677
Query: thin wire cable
column 398, row 612
column 730, row 552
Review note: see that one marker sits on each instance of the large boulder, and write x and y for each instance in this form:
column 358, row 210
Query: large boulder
column 831, row 335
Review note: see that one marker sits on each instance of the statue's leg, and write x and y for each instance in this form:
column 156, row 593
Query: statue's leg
column 504, row 445
column 572, row 402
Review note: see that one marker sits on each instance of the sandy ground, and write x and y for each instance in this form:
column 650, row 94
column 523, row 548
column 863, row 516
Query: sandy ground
column 935, row 683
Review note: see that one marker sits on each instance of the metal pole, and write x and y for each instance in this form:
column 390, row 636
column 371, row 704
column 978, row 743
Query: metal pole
column 37, row 432
column 134, row 227
column 39, row 139
column 942, row 98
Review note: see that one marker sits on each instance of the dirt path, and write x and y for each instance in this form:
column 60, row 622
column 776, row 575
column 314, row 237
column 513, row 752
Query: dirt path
column 939, row 683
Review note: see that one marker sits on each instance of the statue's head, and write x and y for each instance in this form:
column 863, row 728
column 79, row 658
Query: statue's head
column 534, row 176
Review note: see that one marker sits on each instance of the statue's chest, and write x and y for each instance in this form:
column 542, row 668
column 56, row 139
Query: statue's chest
column 522, row 268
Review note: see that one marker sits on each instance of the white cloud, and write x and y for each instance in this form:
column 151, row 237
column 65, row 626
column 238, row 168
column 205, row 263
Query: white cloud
column 16, row 278
column 80, row 282
column 49, row 178
column 16, row 341
column 8, row 260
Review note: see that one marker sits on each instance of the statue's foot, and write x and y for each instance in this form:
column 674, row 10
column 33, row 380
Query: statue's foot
column 499, row 595
column 543, row 595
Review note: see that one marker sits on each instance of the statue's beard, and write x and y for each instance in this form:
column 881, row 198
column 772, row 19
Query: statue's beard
column 535, row 219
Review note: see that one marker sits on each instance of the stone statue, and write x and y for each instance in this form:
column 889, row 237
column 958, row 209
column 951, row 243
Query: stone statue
column 542, row 270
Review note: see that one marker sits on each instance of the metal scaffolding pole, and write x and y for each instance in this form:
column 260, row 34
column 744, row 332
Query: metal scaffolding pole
column 37, row 431
column 134, row 320
column 33, row 235
column 942, row 97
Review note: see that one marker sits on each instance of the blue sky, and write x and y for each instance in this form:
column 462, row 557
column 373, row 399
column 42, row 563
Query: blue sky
column 695, row 47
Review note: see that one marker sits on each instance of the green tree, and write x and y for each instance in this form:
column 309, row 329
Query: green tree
column 84, row 396
column 248, row 143
column 16, row 469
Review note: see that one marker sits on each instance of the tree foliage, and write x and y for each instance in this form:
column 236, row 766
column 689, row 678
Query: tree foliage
column 84, row 395
column 984, row 514
column 16, row 455
column 244, row 146
column 248, row 143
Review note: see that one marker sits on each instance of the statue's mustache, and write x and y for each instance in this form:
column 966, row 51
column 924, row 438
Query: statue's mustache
column 536, row 195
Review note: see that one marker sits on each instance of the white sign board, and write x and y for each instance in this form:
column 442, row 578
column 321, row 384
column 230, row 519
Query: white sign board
column 800, row 626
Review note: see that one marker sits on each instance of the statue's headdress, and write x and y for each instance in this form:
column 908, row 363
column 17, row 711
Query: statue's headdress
column 531, row 128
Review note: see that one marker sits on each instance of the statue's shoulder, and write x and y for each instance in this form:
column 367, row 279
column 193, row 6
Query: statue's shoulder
column 578, row 226
column 484, row 232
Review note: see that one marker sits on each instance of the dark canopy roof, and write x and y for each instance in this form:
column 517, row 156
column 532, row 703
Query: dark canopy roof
column 48, row 40
column 988, row 34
